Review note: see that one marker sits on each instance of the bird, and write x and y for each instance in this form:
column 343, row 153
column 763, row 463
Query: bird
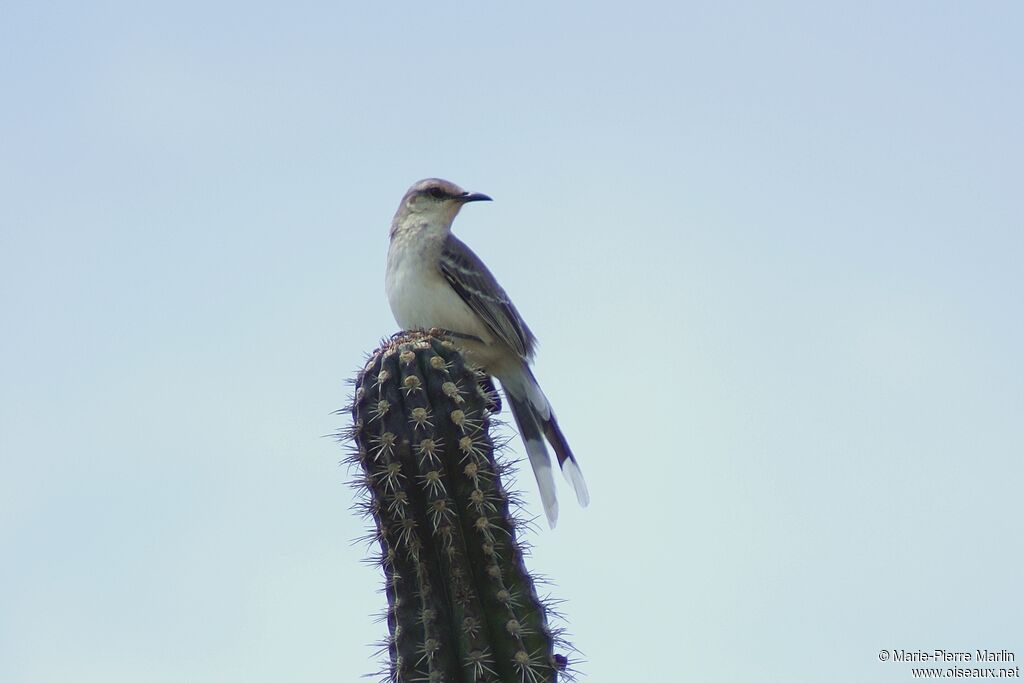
column 433, row 280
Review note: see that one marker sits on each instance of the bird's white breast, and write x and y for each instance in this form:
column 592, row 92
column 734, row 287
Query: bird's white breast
column 419, row 295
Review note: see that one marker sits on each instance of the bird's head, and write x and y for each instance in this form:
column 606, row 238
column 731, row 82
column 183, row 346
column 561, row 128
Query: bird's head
column 436, row 201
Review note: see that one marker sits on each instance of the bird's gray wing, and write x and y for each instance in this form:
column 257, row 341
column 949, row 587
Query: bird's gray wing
column 469, row 277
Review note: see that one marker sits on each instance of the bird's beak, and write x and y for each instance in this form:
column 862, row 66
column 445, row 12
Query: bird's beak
column 474, row 197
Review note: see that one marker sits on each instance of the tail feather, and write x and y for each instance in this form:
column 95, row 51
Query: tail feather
column 534, row 416
column 538, row 454
column 566, row 460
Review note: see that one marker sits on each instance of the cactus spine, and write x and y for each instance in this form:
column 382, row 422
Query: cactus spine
column 461, row 606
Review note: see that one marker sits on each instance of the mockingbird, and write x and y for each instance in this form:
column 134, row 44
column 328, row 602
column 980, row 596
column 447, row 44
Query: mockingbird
column 434, row 280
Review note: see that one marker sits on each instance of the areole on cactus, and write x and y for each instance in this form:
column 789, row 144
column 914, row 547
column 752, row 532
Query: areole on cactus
column 462, row 607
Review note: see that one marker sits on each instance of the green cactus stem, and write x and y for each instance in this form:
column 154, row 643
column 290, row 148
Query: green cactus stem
column 462, row 607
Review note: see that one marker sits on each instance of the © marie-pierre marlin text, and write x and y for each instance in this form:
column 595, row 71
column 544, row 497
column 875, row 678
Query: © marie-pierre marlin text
column 953, row 656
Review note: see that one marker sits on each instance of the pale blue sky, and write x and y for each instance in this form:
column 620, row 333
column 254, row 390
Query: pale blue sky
column 773, row 256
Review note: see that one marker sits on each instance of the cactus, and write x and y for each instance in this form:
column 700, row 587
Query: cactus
column 461, row 605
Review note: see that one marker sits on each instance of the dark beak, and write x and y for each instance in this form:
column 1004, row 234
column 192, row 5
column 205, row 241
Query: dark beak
column 474, row 197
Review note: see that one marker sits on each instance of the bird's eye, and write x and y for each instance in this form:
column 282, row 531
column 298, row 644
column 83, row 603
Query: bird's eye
column 436, row 193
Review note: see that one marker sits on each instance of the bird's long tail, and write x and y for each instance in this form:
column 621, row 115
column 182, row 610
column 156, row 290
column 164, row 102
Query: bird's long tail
column 536, row 421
